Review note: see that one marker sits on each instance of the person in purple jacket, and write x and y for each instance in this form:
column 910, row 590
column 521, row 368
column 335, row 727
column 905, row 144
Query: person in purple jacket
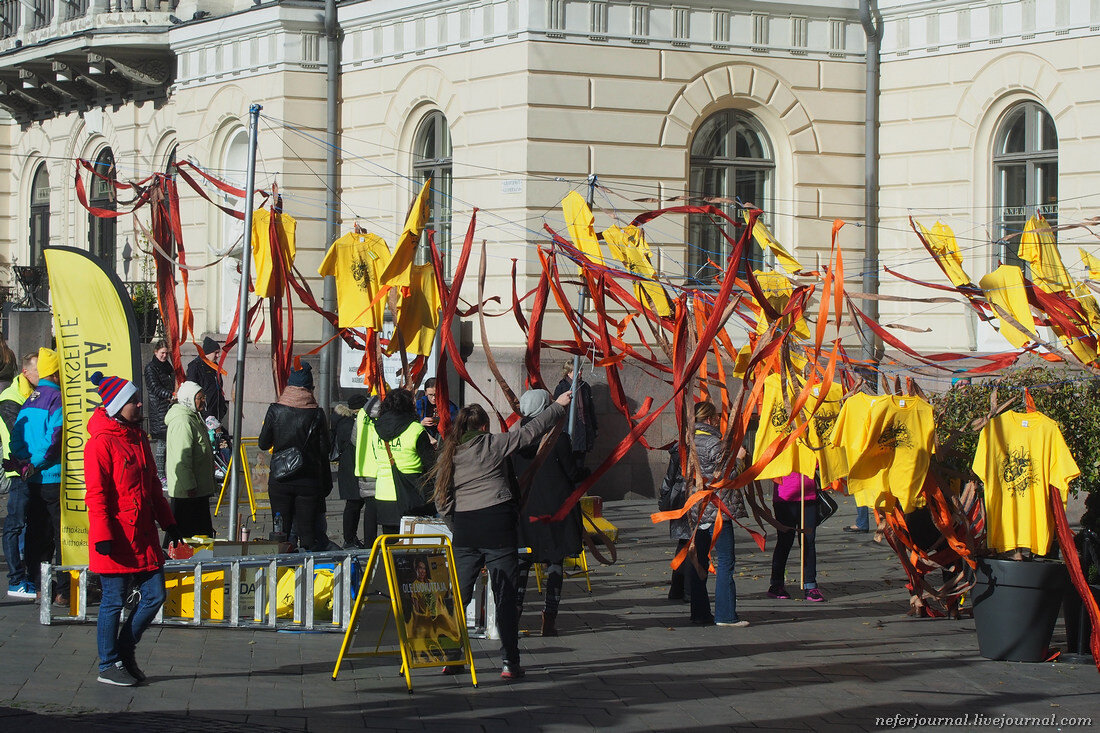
column 36, row 447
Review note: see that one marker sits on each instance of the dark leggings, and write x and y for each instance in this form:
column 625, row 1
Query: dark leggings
column 790, row 514
column 299, row 512
column 555, row 575
column 353, row 508
column 43, row 543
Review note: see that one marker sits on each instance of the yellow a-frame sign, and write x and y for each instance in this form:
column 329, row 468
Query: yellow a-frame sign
column 418, row 592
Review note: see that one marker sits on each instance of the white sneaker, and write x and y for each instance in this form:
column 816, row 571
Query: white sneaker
column 740, row 624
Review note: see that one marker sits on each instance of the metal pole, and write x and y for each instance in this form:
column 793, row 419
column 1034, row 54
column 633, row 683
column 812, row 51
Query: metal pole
column 242, row 327
column 332, row 231
column 872, row 28
column 580, row 328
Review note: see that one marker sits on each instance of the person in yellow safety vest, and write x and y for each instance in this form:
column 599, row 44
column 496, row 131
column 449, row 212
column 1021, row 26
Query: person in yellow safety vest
column 11, row 399
column 394, row 441
column 362, row 505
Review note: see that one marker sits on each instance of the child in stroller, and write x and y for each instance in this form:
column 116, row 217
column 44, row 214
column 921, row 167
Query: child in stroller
column 222, row 444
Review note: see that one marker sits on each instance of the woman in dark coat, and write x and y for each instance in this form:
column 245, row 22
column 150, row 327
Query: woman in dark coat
column 160, row 383
column 296, row 421
column 551, row 485
column 343, row 437
column 585, row 430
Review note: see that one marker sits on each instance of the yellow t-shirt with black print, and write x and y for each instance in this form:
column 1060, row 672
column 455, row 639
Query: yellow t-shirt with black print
column 1019, row 455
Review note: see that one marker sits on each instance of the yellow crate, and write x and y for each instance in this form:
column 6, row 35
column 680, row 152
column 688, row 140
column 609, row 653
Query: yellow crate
column 180, row 588
column 607, row 527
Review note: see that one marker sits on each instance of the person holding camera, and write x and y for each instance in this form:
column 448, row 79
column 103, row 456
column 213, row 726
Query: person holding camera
column 428, row 412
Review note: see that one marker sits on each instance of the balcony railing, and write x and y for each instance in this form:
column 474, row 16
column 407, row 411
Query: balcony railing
column 9, row 18
column 17, row 16
column 42, row 14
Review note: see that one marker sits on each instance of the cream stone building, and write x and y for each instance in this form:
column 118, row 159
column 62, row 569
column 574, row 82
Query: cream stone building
column 510, row 104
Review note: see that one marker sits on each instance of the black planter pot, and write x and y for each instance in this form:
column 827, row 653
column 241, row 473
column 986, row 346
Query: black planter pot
column 147, row 322
column 1016, row 605
column 1073, row 610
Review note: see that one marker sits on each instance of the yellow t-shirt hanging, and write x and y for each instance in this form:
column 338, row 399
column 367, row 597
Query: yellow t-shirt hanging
column 1019, row 455
column 580, row 223
column 831, row 461
column 847, row 435
column 1039, row 248
column 802, row 456
column 398, row 271
column 267, row 283
column 357, row 261
column 894, row 450
column 418, row 313
column 773, row 425
column 778, row 290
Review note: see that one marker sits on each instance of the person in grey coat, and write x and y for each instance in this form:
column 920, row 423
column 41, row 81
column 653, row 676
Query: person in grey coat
column 475, row 489
column 709, row 448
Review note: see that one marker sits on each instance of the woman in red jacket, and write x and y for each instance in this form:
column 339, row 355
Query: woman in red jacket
column 125, row 504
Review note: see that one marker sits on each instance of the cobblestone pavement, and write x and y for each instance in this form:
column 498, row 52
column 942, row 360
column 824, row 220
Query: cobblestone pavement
column 627, row 659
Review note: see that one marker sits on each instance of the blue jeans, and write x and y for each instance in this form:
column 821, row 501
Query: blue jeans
column 863, row 518
column 725, row 588
column 118, row 639
column 14, row 525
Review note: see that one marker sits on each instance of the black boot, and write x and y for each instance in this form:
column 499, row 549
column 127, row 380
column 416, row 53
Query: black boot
column 548, row 623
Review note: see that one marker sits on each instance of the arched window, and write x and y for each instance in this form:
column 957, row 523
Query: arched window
column 40, row 215
column 101, row 232
column 1025, row 175
column 731, row 158
column 432, row 159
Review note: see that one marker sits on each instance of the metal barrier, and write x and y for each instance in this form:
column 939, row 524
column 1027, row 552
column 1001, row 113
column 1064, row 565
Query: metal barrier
column 246, row 589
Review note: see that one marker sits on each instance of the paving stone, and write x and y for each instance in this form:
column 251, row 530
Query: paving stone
column 627, row 659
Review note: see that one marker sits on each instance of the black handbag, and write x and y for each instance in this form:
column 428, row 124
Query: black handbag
column 288, row 463
column 409, row 490
column 826, row 506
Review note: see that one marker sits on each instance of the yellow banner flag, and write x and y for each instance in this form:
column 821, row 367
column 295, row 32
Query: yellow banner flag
column 768, row 241
column 1005, row 288
column 945, row 249
column 630, row 248
column 1092, row 263
column 581, row 225
column 96, row 331
column 398, row 273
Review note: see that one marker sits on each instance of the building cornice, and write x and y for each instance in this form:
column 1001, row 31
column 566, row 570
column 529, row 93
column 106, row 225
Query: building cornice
column 920, row 29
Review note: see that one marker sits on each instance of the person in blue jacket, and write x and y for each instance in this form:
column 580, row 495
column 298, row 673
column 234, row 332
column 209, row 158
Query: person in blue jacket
column 36, row 446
